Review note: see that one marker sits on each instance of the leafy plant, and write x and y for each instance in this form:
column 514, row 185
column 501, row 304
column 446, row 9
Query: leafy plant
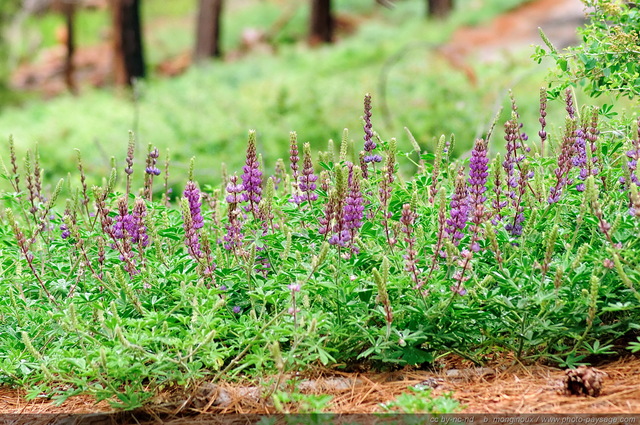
column 607, row 59
column 420, row 400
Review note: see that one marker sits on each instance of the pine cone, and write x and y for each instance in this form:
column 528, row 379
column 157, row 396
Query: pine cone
column 584, row 380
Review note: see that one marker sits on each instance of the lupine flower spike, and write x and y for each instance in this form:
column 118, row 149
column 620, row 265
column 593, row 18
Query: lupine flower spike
column 369, row 144
column 252, row 177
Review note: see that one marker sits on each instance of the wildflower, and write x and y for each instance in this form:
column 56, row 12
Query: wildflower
column 252, row 177
column 236, row 309
column 580, row 157
column 369, row 144
column 571, row 111
column 307, row 180
column 192, row 219
column 192, row 193
column 139, row 230
column 353, row 208
column 459, row 210
column 478, row 174
column 543, row 113
column 233, row 238
column 565, row 162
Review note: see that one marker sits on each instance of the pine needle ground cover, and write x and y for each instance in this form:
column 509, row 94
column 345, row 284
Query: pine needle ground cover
column 123, row 289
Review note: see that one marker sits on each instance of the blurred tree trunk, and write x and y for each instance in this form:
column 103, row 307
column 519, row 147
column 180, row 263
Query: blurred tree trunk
column 439, row 8
column 321, row 29
column 127, row 41
column 68, row 10
column 208, row 30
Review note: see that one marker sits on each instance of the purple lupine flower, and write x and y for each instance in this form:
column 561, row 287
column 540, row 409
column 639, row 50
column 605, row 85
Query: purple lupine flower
column 152, row 159
column 363, row 165
column 369, row 144
column 512, row 159
column 122, row 229
column 252, row 177
column 234, row 236
column 571, row 110
column 192, row 219
column 565, row 162
column 124, row 221
column 478, row 174
column 515, row 227
column 580, row 157
column 236, row 309
column 307, row 180
column 633, row 156
column 138, row 227
column 65, row 233
column 353, row 208
column 543, row 114
column 459, row 210
column 192, row 193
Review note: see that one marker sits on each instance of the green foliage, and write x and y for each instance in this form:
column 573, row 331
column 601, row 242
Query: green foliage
column 86, row 311
column 420, row 400
column 608, row 58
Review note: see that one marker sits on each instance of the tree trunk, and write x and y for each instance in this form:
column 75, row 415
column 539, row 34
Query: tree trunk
column 127, row 41
column 439, row 9
column 208, row 30
column 321, row 29
column 68, row 10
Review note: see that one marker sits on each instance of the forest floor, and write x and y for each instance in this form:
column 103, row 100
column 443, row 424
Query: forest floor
column 502, row 387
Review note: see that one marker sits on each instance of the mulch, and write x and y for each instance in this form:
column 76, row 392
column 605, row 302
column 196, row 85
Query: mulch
column 501, row 388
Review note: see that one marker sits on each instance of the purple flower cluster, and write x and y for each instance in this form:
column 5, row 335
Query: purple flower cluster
column 459, row 210
column 233, row 238
column 580, row 157
column 65, row 232
column 369, row 144
column 515, row 227
column 344, row 211
column 353, row 208
column 131, row 225
column 307, row 180
column 478, row 174
column 192, row 219
column 565, row 162
column 252, row 177
column 543, row 114
column 512, row 158
column 633, row 156
column 152, row 159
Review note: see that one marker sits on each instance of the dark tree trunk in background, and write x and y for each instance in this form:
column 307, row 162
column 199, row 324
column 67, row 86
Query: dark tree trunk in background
column 321, row 29
column 68, row 10
column 208, row 30
column 127, row 39
column 439, row 8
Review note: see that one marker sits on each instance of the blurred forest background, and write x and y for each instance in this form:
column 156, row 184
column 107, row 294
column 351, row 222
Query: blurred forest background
column 193, row 76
